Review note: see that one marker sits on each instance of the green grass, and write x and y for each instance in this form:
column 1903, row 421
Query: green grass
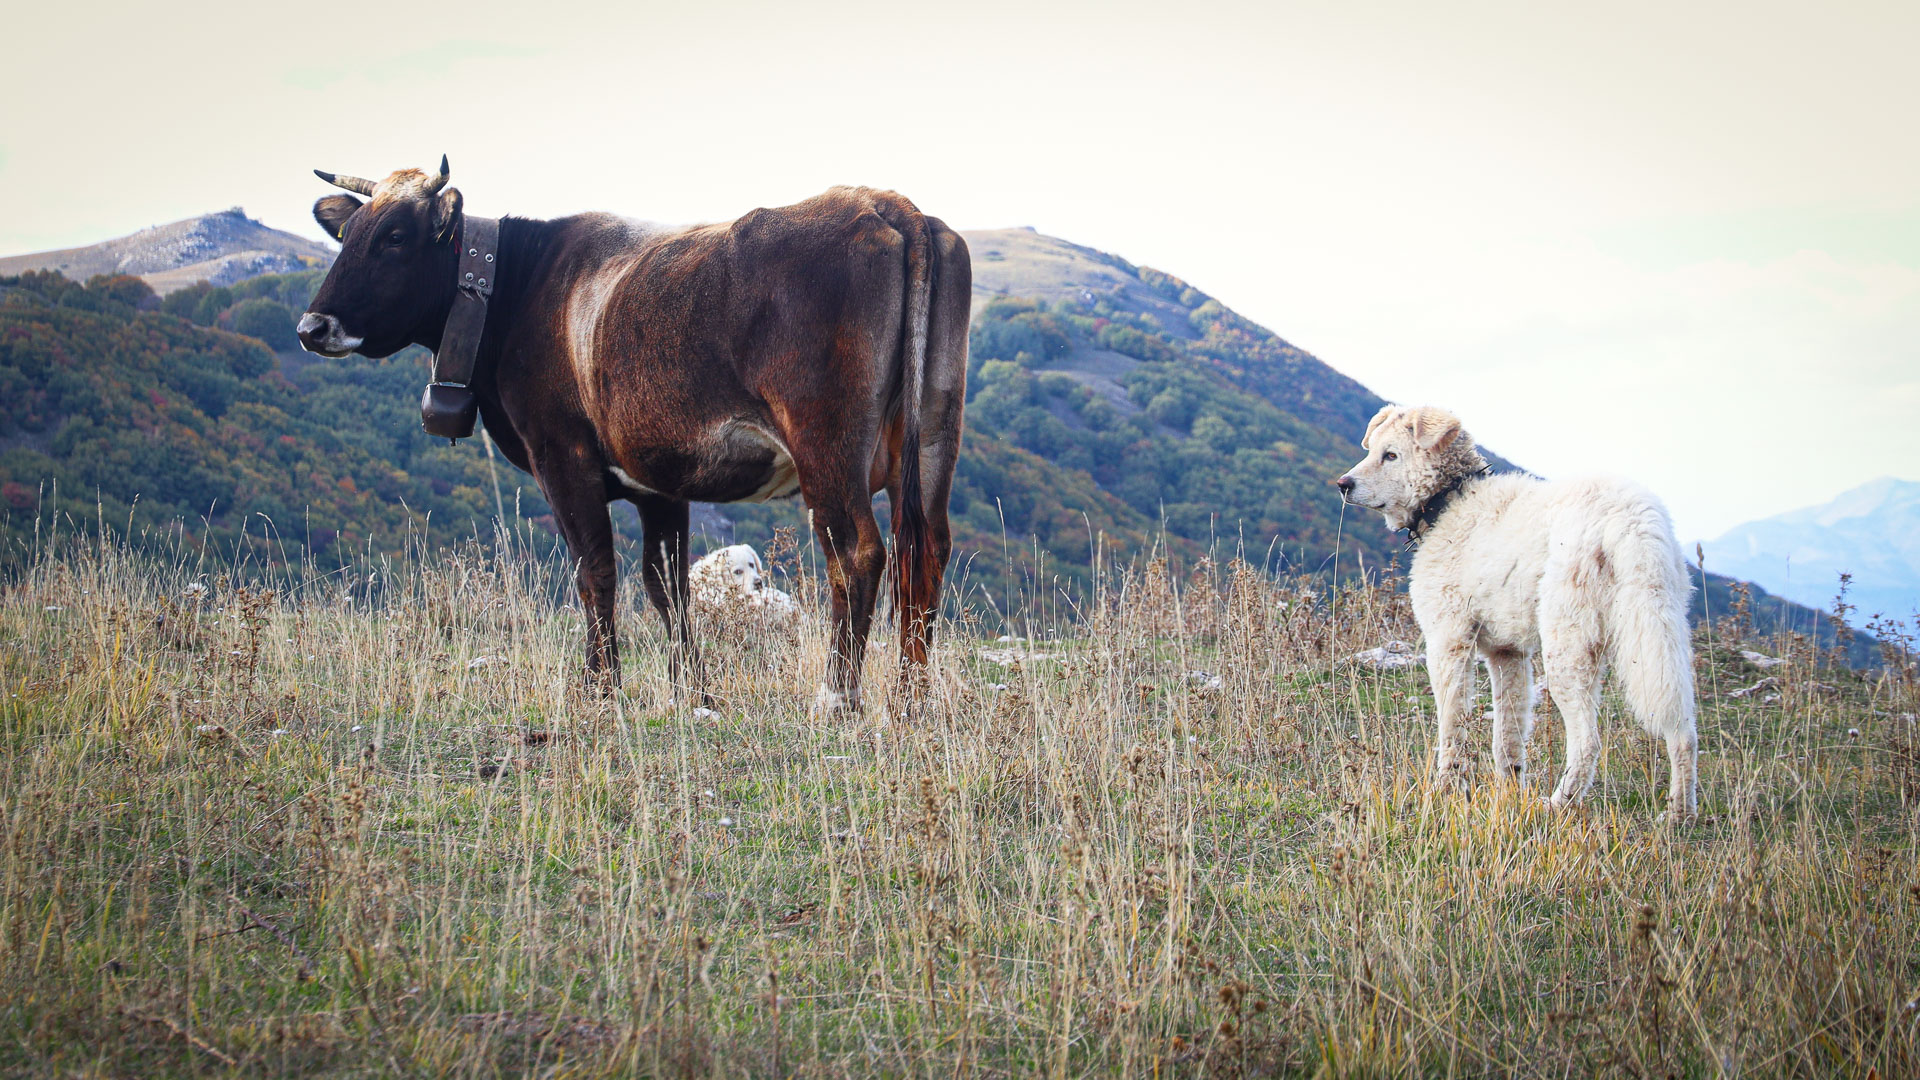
column 447, row 869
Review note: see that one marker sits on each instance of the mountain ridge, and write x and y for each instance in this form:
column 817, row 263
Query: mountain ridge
column 221, row 248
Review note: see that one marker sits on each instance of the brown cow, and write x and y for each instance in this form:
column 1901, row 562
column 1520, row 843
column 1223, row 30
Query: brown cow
column 818, row 348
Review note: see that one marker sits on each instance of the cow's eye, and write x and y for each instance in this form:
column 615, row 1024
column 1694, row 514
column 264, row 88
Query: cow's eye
column 396, row 238
column 1389, row 456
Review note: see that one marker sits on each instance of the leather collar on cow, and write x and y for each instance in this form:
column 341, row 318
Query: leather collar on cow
column 448, row 408
column 1428, row 515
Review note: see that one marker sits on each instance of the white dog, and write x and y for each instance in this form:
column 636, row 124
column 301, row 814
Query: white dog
column 1583, row 573
column 733, row 576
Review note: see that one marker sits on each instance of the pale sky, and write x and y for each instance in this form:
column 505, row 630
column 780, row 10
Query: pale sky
column 1679, row 242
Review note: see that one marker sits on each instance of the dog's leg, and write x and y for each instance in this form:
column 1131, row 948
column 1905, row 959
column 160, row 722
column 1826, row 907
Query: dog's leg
column 1573, row 647
column 1573, row 676
column 1683, row 759
column 1511, row 672
column 1450, row 670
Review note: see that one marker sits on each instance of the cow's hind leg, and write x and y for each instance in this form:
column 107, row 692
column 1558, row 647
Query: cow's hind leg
column 856, row 559
column 663, row 569
column 917, row 618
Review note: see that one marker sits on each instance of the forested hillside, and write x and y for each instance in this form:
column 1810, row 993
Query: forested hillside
column 155, row 413
column 196, row 416
column 1172, row 435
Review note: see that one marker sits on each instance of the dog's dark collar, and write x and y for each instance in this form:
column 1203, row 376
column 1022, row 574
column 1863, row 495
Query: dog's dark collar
column 1428, row 515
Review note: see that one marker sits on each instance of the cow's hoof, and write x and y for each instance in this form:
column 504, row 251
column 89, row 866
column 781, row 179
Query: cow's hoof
column 830, row 702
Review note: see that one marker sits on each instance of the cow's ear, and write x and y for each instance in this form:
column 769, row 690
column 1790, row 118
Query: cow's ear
column 1378, row 419
column 1435, row 429
column 446, row 212
column 333, row 211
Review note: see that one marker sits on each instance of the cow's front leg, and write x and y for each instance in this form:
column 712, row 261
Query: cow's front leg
column 577, row 494
column 663, row 569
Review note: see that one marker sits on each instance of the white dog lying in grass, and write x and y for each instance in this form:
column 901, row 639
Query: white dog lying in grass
column 733, row 577
column 1582, row 573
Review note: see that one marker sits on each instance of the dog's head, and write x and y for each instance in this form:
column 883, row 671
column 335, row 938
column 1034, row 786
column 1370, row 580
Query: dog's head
column 1412, row 453
column 737, row 568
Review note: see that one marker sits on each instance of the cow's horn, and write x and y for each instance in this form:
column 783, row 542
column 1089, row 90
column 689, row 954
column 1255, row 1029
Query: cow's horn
column 351, row 183
column 434, row 185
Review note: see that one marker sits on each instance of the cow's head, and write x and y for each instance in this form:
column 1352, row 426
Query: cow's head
column 393, row 281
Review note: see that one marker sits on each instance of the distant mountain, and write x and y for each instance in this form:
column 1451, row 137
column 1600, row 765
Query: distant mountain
column 220, row 248
column 1871, row 532
column 1022, row 263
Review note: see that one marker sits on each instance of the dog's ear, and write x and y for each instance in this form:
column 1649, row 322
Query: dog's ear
column 1378, row 419
column 1435, row 429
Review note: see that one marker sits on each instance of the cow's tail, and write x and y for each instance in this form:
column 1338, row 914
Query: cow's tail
column 916, row 581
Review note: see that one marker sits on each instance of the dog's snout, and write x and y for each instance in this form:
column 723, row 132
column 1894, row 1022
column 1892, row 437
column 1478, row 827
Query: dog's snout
column 1344, row 483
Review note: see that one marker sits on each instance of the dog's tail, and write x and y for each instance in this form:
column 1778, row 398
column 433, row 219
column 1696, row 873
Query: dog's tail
column 1652, row 647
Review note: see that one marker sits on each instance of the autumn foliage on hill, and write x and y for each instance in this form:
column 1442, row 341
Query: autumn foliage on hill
column 119, row 408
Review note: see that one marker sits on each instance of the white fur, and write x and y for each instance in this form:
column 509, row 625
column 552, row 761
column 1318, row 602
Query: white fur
column 629, row 482
column 1582, row 574
column 733, row 577
column 740, row 438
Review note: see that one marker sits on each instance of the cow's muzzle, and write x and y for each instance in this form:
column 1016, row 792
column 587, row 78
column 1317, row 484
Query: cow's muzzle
column 323, row 334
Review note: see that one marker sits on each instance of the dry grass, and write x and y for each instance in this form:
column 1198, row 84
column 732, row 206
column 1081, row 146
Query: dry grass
column 309, row 830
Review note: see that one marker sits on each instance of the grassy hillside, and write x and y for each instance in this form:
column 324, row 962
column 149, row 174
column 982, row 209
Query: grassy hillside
column 313, row 827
